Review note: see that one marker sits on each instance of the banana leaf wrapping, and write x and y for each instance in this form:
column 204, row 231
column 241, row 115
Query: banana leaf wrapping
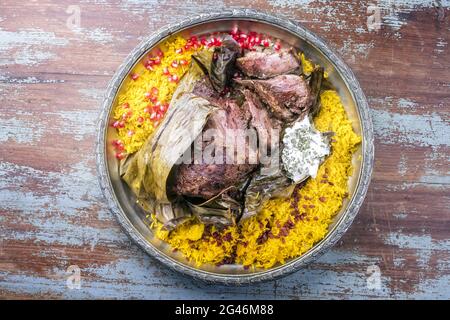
column 268, row 184
column 221, row 209
column 220, row 63
column 315, row 82
column 147, row 172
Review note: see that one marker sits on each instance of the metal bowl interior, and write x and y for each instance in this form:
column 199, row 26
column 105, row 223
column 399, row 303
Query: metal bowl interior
column 132, row 218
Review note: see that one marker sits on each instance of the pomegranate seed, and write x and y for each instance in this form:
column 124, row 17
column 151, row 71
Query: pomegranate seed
column 162, row 108
column 265, row 43
column 159, row 116
column 115, row 124
column 134, row 76
column 187, row 46
column 193, row 39
column 174, row 64
column 157, row 61
column 130, row 133
column 243, row 44
column 146, row 110
column 153, row 99
column 155, row 124
column 153, row 115
column 126, row 115
column 159, row 53
column 179, row 51
column 175, row 78
column 183, row 62
column 120, row 155
column 166, row 71
column 147, row 95
column 126, row 105
column 120, row 147
column 257, row 40
column 155, row 91
column 140, row 119
column 121, row 124
column 149, row 67
column 277, row 46
column 203, row 41
column 148, row 61
column 243, row 36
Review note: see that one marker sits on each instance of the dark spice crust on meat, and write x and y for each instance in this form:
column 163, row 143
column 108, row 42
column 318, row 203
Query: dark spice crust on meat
column 287, row 96
column 269, row 63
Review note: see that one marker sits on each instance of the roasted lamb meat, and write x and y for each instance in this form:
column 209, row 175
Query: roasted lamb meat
column 268, row 63
column 208, row 179
column 287, row 96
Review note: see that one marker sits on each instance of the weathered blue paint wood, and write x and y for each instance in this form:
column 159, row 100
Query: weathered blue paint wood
column 53, row 73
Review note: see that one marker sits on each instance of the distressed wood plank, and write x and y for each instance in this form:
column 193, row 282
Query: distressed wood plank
column 52, row 214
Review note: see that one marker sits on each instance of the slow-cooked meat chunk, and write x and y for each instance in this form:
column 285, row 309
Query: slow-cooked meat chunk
column 286, row 96
column 266, row 64
column 207, row 179
column 265, row 126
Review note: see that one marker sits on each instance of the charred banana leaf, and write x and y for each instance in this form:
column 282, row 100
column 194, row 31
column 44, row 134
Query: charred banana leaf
column 267, row 184
column 219, row 64
column 204, row 60
column 220, row 209
column 223, row 63
column 216, row 216
column 172, row 214
column 315, row 82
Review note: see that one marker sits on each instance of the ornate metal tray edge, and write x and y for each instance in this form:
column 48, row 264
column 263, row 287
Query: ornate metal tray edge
column 333, row 235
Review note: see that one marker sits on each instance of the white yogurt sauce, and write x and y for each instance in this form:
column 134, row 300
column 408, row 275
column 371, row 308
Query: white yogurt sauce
column 304, row 150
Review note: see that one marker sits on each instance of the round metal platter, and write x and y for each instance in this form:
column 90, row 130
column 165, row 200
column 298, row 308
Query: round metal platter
column 122, row 202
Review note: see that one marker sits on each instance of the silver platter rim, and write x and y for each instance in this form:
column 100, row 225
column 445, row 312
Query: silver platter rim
column 367, row 147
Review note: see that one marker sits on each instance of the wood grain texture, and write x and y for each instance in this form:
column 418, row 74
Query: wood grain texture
column 52, row 214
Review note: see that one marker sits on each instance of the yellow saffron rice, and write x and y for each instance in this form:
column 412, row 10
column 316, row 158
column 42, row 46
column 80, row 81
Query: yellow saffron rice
column 319, row 199
column 133, row 93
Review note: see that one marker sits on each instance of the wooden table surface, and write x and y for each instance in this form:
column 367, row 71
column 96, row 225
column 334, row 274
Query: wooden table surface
column 54, row 69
